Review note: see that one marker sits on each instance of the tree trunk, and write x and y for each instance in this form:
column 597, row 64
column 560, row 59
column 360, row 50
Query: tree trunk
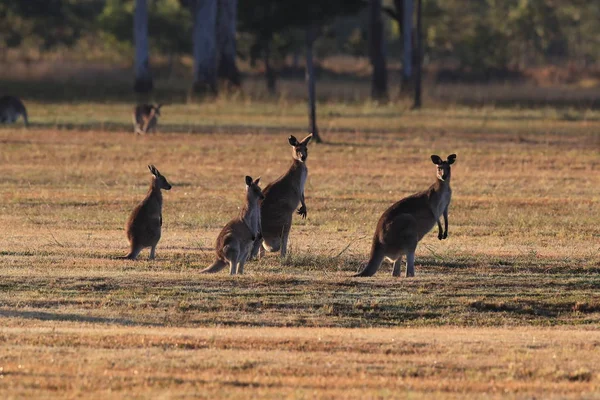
column 377, row 51
column 269, row 72
column 419, row 58
column 399, row 5
column 205, row 46
column 310, row 81
column 143, row 77
column 407, row 15
column 226, row 29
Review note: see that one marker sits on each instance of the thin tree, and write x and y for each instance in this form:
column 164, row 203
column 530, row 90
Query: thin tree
column 407, row 25
column 143, row 77
column 419, row 57
column 226, row 30
column 311, row 36
column 204, row 40
column 377, row 52
column 269, row 71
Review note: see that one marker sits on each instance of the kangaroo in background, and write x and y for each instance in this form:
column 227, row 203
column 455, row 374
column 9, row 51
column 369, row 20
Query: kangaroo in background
column 405, row 223
column 281, row 199
column 11, row 108
column 235, row 241
column 145, row 118
column 145, row 222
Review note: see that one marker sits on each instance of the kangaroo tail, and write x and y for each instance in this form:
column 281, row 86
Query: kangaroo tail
column 377, row 256
column 25, row 119
column 215, row 267
column 127, row 257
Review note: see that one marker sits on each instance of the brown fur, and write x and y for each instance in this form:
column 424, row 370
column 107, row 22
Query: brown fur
column 11, row 108
column 145, row 222
column 234, row 243
column 145, row 118
column 405, row 223
column 281, row 199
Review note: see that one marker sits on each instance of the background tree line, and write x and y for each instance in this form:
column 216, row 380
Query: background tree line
column 479, row 39
column 478, row 35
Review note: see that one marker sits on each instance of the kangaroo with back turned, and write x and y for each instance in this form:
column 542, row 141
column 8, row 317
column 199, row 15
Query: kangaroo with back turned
column 235, row 241
column 145, row 222
column 11, row 108
column 405, row 223
column 145, row 118
column 281, row 199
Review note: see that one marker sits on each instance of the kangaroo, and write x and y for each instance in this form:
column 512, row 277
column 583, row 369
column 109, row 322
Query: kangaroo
column 145, row 118
column 11, row 108
column 405, row 223
column 234, row 243
column 281, row 199
column 145, row 222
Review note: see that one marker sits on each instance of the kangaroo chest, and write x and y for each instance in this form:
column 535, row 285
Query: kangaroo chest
column 303, row 177
column 251, row 220
column 444, row 201
column 441, row 199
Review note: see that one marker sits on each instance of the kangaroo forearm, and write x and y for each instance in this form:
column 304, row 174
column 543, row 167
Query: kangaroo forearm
column 445, row 223
column 302, row 209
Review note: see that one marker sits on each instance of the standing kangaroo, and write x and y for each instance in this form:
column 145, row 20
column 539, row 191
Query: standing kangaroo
column 281, row 199
column 235, row 241
column 405, row 223
column 145, row 118
column 11, row 108
column 145, row 222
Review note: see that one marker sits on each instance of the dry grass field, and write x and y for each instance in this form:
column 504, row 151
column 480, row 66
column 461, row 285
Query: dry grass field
column 507, row 307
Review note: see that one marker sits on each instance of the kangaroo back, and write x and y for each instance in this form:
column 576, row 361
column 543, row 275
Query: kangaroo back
column 404, row 224
column 282, row 197
column 235, row 240
column 145, row 118
column 11, row 108
column 144, row 224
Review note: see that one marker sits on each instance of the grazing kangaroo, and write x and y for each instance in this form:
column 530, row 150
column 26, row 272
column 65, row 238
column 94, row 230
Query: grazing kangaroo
column 281, row 199
column 11, row 108
column 405, row 223
column 235, row 241
column 145, row 222
column 145, row 118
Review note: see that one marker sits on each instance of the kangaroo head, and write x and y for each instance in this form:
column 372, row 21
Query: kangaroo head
column 253, row 189
column 300, row 151
column 159, row 180
column 443, row 167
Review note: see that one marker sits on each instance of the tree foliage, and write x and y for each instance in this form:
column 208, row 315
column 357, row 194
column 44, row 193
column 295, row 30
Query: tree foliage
column 479, row 35
column 500, row 33
column 169, row 24
column 45, row 24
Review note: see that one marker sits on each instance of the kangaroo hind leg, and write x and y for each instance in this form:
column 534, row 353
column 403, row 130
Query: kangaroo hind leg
column 397, row 266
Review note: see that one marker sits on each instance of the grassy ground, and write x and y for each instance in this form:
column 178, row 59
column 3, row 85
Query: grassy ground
column 508, row 306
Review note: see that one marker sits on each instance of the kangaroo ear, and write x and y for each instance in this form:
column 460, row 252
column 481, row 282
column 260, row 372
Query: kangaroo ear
column 306, row 139
column 436, row 159
column 293, row 141
column 248, row 180
column 153, row 170
column 451, row 159
column 256, row 181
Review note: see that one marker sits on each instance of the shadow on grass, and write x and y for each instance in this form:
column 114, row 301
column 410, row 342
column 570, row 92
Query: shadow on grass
column 518, row 102
column 530, row 308
column 229, row 129
column 69, row 317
